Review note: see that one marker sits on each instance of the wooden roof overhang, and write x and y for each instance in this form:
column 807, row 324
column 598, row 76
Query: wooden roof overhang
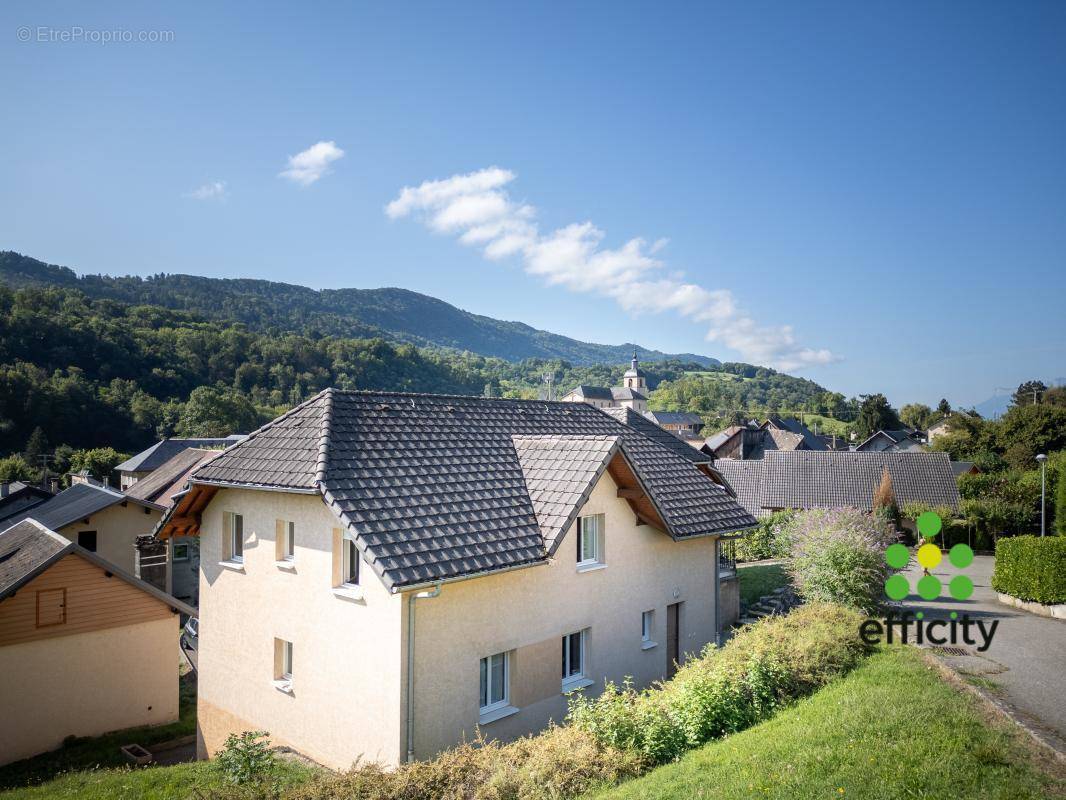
column 183, row 519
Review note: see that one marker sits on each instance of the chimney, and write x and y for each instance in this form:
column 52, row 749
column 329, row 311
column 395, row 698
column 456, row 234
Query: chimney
column 80, row 477
column 53, row 485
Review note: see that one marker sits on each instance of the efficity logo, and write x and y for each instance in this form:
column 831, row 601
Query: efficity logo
column 937, row 632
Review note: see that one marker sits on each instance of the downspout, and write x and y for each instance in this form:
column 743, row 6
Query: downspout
column 411, row 665
column 718, row 592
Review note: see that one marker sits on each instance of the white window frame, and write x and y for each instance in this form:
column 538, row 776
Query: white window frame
column 286, row 660
column 283, row 676
column 579, row 679
column 288, row 545
column 505, row 701
column 233, row 541
column 348, row 550
column 647, row 627
column 591, row 541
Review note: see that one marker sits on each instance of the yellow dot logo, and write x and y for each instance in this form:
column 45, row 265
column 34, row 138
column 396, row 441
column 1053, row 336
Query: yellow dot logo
column 929, row 555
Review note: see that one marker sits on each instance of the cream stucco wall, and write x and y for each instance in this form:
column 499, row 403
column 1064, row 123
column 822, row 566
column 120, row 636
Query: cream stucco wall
column 87, row 684
column 117, row 528
column 346, row 699
column 528, row 611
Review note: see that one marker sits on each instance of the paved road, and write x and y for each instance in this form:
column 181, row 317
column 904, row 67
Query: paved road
column 1027, row 653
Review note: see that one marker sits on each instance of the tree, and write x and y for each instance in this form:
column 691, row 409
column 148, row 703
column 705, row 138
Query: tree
column 1060, row 499
column 876, row 414
column 916, row 415
column 211, row 411
column 1025, row 431
column 884, row 502
column 36, row 447
column 1028, row 393
column 943, row 407
column 99, row 462
column 15, row 468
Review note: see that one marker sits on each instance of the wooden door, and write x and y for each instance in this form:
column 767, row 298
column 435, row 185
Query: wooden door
column 673, row 638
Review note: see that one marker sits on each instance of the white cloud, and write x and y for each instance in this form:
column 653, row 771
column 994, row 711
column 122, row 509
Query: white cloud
column 477, row 208
column 307, row 167
column 215, row 190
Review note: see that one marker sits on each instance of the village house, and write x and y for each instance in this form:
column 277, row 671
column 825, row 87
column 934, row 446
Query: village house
column 753, row 440
column 684, row 424
column 895, row 441
column 99, row 519
column 85, row 648
column 803, row 479
column 442, row 563
column 16, row 497
column 182, row 553
column 147, row 461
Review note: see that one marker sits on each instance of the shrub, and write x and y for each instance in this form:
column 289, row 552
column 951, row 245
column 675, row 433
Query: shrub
column 838, row 556
column 560, row 762
column 763, row 541
column 1031, row 568
column 726, row 689
column 247, row 758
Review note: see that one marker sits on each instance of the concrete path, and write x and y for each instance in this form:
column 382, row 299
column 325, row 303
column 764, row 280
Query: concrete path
column 1026, row 657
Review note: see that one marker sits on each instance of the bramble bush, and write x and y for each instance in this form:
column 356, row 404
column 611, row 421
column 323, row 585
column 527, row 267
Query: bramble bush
column 726, row 689
column 838, row 556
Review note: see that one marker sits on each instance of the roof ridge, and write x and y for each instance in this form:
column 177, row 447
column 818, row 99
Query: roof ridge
column 324, row 438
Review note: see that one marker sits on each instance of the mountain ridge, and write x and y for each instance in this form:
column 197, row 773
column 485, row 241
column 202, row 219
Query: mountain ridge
column 392, row 313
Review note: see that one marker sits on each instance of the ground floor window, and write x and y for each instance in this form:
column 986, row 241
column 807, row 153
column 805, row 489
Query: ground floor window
column 494, row 679
column 573, row 657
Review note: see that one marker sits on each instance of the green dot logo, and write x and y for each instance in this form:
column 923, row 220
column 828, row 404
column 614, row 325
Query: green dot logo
column 929, row 556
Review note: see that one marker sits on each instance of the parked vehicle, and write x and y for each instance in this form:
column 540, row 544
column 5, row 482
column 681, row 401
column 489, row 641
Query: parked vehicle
column 190, row 633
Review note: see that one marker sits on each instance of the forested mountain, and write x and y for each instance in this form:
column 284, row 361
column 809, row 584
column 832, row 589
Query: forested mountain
column 394, row 314
column 99, row 372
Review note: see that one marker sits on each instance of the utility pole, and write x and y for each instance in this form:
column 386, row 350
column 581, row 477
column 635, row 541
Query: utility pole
column 1042, row 459
column 548, row 381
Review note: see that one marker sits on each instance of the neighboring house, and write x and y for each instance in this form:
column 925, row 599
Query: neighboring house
column 644, row 425
column 751, row 442
column 802, row 479
column 85, row 648
column 964, row 468
column 903, row 440
column 684, row 424
column 16, row 496
column 811, row 440
column 147, row 461
column 183, row 552
column 937, row 429
column 631, row 394
column 544, row 546
column 101, row 520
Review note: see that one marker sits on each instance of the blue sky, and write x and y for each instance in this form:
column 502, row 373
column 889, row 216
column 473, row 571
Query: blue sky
column 889, row 180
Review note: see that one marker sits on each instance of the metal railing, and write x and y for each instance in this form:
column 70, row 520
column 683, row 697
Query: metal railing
column 727, row 558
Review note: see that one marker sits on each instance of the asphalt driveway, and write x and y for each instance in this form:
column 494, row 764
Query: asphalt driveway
column 1026, row 657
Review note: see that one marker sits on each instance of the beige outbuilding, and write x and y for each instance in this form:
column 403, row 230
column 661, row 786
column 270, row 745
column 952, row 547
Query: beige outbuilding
column 85, row 648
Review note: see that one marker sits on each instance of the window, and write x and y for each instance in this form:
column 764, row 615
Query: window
column 351, row 562
column 181, row 552
column 87, row 539
column 285, row 540
column 590, row 537
column 283, row 665
column 233, row 537
column 573, row 658
column 51, row 607
column 494, row 678
column 647, row 621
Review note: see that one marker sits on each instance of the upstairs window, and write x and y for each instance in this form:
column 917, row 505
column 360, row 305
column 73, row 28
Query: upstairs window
column 351, row 562
column 283, row 665
column 87, row 539
column 233, row 537
column 590, row 541
column 285, row 540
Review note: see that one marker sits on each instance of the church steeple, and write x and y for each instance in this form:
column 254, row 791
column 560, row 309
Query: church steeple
column 634, row 377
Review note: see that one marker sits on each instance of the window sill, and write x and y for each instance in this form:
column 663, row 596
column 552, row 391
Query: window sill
column 284, row 686
column 591, row 566
column 496, row 713
column 236, row 566
column 648, row 645
column 577, row 683
column 347, row 592
column 286, row 564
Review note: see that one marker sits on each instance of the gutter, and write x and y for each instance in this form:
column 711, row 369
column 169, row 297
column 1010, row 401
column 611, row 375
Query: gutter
column 257, row 487
column 469, row 576
column 411, row 600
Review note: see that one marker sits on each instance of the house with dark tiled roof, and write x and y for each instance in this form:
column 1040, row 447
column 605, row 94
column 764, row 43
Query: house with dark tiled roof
column 895, row 441
column 147, row 461
column 685, row 424
column 85, row 647
column 100, row 519
column 803, row 479
column 443, row 564
column 16, row 496
column 752, row 441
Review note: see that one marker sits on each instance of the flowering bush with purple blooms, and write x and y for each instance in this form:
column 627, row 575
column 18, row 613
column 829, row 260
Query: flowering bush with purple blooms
column 838, row 555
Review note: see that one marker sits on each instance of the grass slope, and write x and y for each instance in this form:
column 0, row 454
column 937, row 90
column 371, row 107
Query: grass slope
column 891, row 729
column 759, row 580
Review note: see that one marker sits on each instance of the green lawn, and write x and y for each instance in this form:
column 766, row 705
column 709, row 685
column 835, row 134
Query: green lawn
column 891, row 729
column 103, row 750
column 759, row 580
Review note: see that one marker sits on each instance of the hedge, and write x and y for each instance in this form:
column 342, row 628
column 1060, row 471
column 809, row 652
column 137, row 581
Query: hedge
column 1032, row 568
